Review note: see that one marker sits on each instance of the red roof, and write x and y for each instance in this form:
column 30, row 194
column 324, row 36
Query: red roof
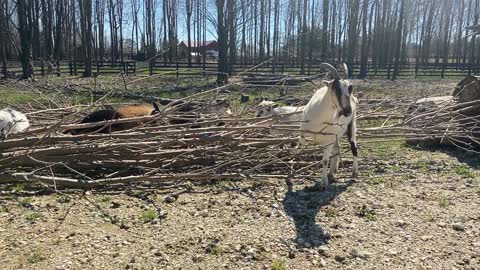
column 196, row 44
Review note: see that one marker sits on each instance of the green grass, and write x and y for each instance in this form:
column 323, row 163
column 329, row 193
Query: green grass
column 105, row 199
column 330, row 212
column 278, row 265
column 464, row 171
column 32, row 216
column 18, row 188
column 63, row 199
column 26, row 202
column 443, row 202
column 214, row 249
column 384, row 150
column 12, row 96
column 36, row 256
column 148, row 216
column 421, row 166
column 367, row 213
column 376, row 180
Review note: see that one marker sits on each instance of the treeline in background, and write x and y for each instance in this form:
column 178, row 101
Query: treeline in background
column 368, row 32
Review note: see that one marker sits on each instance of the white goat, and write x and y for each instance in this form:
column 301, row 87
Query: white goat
column 11, row 122
column 329, row 114
column 269, row 108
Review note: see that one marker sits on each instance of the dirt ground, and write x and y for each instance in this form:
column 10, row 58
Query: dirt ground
column 409, row 209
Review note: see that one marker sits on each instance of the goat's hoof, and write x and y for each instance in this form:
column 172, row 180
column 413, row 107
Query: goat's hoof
column 331, row 178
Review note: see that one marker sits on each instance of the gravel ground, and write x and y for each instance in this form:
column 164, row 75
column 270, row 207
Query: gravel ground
column 410, row 209
column 420, row 210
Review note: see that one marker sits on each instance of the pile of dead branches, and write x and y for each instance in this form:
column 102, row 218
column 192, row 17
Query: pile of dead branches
column 212, row 145
column 448, row 122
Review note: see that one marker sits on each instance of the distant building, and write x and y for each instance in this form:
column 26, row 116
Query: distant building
column 210, row 47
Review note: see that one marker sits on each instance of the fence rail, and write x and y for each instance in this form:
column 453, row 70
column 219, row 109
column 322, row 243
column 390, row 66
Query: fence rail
column 385, row 71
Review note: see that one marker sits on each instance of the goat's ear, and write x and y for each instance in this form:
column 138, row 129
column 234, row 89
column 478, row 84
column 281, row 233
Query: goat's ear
column 350, row 89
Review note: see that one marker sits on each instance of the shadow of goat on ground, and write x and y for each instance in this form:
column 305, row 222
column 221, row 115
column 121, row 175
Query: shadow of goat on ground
column 303, row 207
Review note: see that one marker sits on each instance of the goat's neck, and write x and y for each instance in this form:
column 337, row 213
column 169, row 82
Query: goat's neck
column 329, row 108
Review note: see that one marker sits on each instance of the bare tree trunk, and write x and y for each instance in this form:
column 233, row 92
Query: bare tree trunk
column 24, row 28
column 232, row 34
column 120, row 24
column 326, row 6
column 36, row 29
column 86, row 25
column 352, row 32
column 188, row 10
column 364, row 52
column 222, row 42
column 58, row 30
column 303, row 38
column 398, row 38
column 3, row 34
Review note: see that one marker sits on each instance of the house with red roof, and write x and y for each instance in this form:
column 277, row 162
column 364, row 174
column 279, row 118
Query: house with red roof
column 210, row 47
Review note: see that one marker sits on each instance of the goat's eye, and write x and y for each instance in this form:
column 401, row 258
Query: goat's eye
column 350, row 89
column 268, row 109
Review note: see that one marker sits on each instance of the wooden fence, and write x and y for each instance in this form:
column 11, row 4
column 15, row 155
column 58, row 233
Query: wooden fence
column 384, row 71
column 43, row 68
column 380, row 71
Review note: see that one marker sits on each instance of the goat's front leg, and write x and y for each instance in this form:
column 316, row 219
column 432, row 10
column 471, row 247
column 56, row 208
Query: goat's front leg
column 352, row 138
column 327, row 152
column 334, row 160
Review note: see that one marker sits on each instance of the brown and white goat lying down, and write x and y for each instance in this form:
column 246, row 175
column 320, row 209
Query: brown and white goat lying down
column 182, row 113
column 110, row 113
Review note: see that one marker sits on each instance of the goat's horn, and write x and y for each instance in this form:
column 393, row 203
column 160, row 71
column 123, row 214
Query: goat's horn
column 330, row 68
column 345, row 69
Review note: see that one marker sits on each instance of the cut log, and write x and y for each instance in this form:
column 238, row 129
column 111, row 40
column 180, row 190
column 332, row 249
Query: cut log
column 444, row 121
column 468, row 89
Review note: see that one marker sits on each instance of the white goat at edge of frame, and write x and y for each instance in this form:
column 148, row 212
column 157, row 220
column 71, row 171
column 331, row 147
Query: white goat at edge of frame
column 11, row 122
column 269, row 108
column 330, row 113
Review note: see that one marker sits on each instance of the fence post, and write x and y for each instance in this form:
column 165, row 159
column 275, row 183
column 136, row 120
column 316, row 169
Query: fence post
column 150, row 66
column 4, row 69
column 177, row 67
column 388, row 71
column 469, row 68
column 98, row 67
column 125, row 68
column 42, row 68
column 134, row 67
column 443, row 71
column 283, row 68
